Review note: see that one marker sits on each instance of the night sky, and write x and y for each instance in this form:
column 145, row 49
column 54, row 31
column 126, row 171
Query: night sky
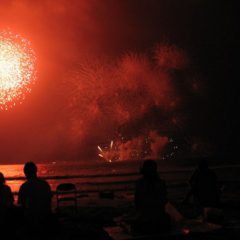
column 67, row 35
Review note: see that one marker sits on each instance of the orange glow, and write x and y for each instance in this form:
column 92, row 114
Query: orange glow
column 17, row 69
column 186, row 231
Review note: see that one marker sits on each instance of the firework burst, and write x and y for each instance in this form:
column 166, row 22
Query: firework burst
column 109, row 153
column 17, row 69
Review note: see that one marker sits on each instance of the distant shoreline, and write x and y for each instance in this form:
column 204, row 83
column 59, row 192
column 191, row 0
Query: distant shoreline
column 170, row 171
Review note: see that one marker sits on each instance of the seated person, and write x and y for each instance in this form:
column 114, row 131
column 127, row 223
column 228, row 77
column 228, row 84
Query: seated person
column 204, row 186
column 35, row 197
column 150, row 201
column 205, row 192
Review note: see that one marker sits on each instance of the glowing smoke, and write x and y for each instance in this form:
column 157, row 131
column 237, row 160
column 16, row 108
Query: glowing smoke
column 149, row 146
column 105, row 96
column 170, row 57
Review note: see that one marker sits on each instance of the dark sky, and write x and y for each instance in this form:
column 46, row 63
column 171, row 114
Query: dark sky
column 64, row 32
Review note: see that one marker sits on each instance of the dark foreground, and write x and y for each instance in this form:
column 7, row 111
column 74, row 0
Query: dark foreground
column 95, row 213
column 90, row 222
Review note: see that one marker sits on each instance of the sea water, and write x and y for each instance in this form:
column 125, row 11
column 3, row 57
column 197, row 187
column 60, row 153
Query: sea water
column 96, row 176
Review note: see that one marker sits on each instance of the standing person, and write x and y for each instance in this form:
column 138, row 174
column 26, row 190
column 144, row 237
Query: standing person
column 35, row 198
column 150, row 200
column 6, row 199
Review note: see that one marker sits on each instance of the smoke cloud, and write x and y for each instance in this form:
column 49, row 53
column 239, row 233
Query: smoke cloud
column 114, row 100
column 106, row 70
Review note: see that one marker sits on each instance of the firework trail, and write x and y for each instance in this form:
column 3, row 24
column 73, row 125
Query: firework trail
column 109, row 154
column 17, row 69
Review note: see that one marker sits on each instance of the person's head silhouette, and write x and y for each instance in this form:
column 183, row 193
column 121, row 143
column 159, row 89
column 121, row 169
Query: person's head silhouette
column 30, row 170
column 149, row 168
column 2, row 179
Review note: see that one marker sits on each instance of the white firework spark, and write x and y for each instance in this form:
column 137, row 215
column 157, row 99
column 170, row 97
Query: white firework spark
column 17, row 69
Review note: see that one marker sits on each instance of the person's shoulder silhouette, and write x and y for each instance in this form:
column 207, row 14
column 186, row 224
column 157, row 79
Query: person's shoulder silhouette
column 6, row 199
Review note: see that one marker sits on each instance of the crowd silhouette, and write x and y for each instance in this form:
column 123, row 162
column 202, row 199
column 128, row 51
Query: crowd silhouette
column 34, row 209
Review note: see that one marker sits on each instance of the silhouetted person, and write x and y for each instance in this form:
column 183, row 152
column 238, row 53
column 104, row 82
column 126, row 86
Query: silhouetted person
column 150, row 201
column 204, row 186
column 35, row 198
column 6, row 199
